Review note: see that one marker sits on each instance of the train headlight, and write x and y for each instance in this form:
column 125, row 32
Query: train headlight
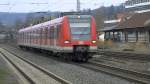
column 66, row 42
column 93, row 41
column 79, row 17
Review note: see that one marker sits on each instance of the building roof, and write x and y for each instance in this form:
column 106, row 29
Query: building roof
column 109, row 28
column 135, row 20
column 131, row 20
column 38, row 26
column 110, row 24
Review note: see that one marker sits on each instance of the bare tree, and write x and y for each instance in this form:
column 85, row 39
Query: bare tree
column 99, row 17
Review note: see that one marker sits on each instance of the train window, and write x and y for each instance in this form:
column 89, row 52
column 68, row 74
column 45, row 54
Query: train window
column 43, row 33
column 34, row 34
column 51, row 32
column 48, row 34
column 58, row 29
column 80, row 31
column 55, row 31
column 30, row 35
column 27, row 35
column 24, row 36
column 80, row 27
column 37, row 35
column 46, row 31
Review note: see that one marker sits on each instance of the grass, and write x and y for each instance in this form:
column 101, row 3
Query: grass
column 3, row 75
column 139, row 47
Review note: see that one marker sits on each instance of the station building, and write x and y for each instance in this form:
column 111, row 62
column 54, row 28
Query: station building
column 131, row 28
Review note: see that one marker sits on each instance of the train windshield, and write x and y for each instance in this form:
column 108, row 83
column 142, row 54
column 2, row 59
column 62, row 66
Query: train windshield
column 80, row 27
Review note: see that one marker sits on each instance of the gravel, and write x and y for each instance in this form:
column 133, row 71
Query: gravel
column 142, row 66
column 68, row 71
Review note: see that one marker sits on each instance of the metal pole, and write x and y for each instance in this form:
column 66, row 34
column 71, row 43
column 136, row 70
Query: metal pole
column 78, row 5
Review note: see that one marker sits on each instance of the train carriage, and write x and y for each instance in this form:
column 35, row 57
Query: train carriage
column 72, row 34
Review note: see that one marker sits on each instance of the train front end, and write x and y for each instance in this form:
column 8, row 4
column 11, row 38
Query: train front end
column 82, row 36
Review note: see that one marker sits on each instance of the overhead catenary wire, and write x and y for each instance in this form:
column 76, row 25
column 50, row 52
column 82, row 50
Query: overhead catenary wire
column 50, row 5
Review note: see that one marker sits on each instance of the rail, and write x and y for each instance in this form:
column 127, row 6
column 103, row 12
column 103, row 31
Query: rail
column 33, row 73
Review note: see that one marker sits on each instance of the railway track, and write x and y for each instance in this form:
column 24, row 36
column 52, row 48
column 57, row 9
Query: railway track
column 137, row 77
column 28, row 72
column 127, row 55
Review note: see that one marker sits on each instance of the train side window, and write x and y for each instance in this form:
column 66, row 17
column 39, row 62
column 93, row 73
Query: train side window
column 52, row 32
column 39, row 33
column 58, row 30
column 31, row 34
column 23, row 36
column 55, row 32
column 43, row 33
column 27, row 35
column 46, row 32
column 36, row 33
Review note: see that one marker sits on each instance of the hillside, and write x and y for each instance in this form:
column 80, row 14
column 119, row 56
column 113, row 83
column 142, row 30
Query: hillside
column 10, row 18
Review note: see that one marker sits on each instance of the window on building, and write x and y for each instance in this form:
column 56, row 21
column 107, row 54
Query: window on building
column 120, row 36
column 131, row 36
column 107, row 35
column 143, row 36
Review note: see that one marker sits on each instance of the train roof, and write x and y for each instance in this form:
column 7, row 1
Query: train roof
column 51, row 22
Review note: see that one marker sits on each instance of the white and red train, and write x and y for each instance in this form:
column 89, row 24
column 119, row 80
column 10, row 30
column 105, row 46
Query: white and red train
column 71, row 36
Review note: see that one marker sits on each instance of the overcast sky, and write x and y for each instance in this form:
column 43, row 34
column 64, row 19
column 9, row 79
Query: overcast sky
column 52, row 5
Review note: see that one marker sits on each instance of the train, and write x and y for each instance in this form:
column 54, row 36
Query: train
column 71, row 37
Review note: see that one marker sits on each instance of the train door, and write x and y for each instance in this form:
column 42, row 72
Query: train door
column 52, row 36
column 42, row 37
column 38, row 37
column 55, row 36
column 40, row 31
column 33, row 37
column 48, row 36
column 25, row 34
column 58, row 34
column 30, row 38
column 149, row 35
column 23, row 38
column 45, row 35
